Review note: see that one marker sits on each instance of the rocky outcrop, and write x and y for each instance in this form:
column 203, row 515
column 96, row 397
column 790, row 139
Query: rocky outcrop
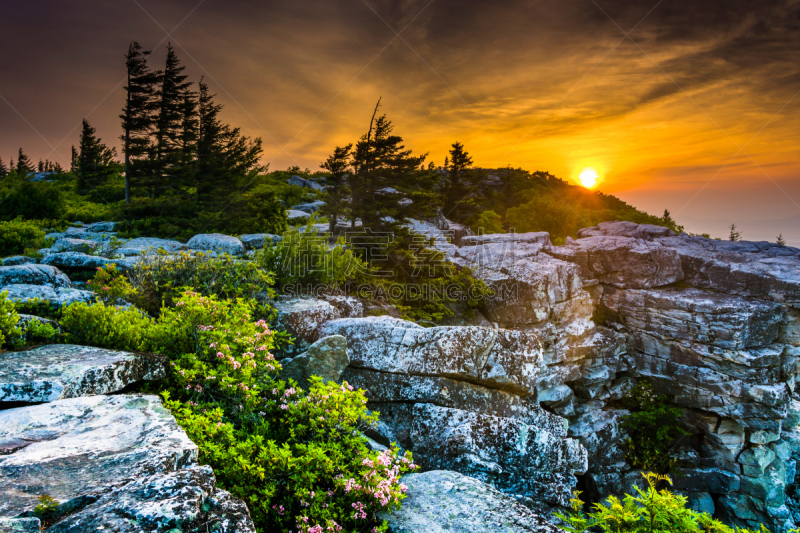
column 462, row 398
column 326, row 358
column 18, row 260
column 146, row 244
column 74, row 245
column 77, row 261
column 119, row 463
column 303, row 317
column 256, row 241
column 216, row 242
column 448, row 502
column 57, row 297
column 61, row 371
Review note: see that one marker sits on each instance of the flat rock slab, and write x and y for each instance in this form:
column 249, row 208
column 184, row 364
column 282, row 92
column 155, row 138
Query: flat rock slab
column 29, row 274
column 57, row 297
column 216, row 242
column 61, row 371
column 72, row 448
column 441, row 501
column 20, row 525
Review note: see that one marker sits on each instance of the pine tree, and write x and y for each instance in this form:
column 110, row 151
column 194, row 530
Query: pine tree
column 338, row 165
column 457, row 184
column 73, row 160
column 667, row 218
column 389, row 185
column 24, row 165
column 3, row 169
column 734, row 235
column 172, row 96
column 187, row 154
column 227, row 163
column 137, row 116
column 96, row 161
column 780, row 240
column 40, row 166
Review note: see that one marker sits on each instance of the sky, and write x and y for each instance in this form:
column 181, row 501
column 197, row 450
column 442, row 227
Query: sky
column 678, row 104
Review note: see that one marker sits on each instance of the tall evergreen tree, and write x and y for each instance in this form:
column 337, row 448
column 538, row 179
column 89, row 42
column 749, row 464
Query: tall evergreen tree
column 338, row 165
column 389, row 182
column 226, row 162
column 172, row 97
column 457, row 184
column 73, row 160
column 3, row 169
column 187, row 154
column 96, row 161
column 24, row 165
column 138, row 115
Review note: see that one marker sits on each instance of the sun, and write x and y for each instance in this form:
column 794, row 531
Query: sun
column 588, row 177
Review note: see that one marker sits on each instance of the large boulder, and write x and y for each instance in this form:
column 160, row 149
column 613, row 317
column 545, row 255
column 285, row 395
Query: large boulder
column 18, row 260
column 326, row 358
column 147, row 244
column 57, row 297
column 256, row 241
column 448, row 502
column 61, row 371
column 511, row 455
column 216, row 242
column 29, row 274
column 70, row 448
column 74, row 245
column 77, row 261
column 310, row 207
column 297, row 216
column 302, row 318
column 118, row 463
column 495, row 358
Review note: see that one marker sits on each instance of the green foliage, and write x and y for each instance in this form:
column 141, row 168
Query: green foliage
column 38, row 307
column 30, row 199
column 46, row 507
column 9, row 318
column 653, row 425
column 110, row 285
column 649, row 511
column 488, row 222
column 20, row 236
column 159, row 278
column 304, row 257
column 295, row 456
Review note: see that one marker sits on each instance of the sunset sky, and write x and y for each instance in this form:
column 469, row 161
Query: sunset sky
column 692, row 105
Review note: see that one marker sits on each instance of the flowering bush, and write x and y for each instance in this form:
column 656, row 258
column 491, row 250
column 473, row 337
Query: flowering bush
column 8, row 320
column 295, row 456
column 110, row 285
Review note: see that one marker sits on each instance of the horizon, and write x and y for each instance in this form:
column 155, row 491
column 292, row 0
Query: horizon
column 696, row 110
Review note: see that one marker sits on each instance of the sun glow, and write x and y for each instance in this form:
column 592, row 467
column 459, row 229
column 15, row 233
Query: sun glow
column 588, row 177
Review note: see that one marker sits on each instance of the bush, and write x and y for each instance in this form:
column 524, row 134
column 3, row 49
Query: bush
column 110, row 285
column 296, row 457
column 651, row 511
column 488, row 222
column 29, row 199
column 653, row 425
column 19, row 237
column 304, row 257
column 158, row 279
column 8, row 321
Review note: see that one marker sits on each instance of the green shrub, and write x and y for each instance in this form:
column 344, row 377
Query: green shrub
column 649, row 511
column 296, row 457
column 158, row 279
column 36, row 331
column 488, row 222
column 106, row 326
column 110, row 285
column 304, row 257
column 30, row 199
column 653, row 425
column 9, row 331
column 20, row 236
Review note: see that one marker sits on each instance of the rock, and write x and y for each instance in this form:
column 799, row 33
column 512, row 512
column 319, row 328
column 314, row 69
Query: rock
column 101, row 227
column 502, row 359
column 216, row 242
column 19, row 260
column 184, row 500
column 255, row 241
column 57, row 297
column 310, row 208
column 534, row 237
column 302, row 318
column 624, row 262
column 71, row 448
column 20, row 525
column 77, row 261
column 326, row 358
column 305, row 183
column 61, row 371
column 74, row 245
column 294, row 215
column 146, row 244
column 447, row 502
column 510, row 455
column 44, row 275
column 626, row 229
